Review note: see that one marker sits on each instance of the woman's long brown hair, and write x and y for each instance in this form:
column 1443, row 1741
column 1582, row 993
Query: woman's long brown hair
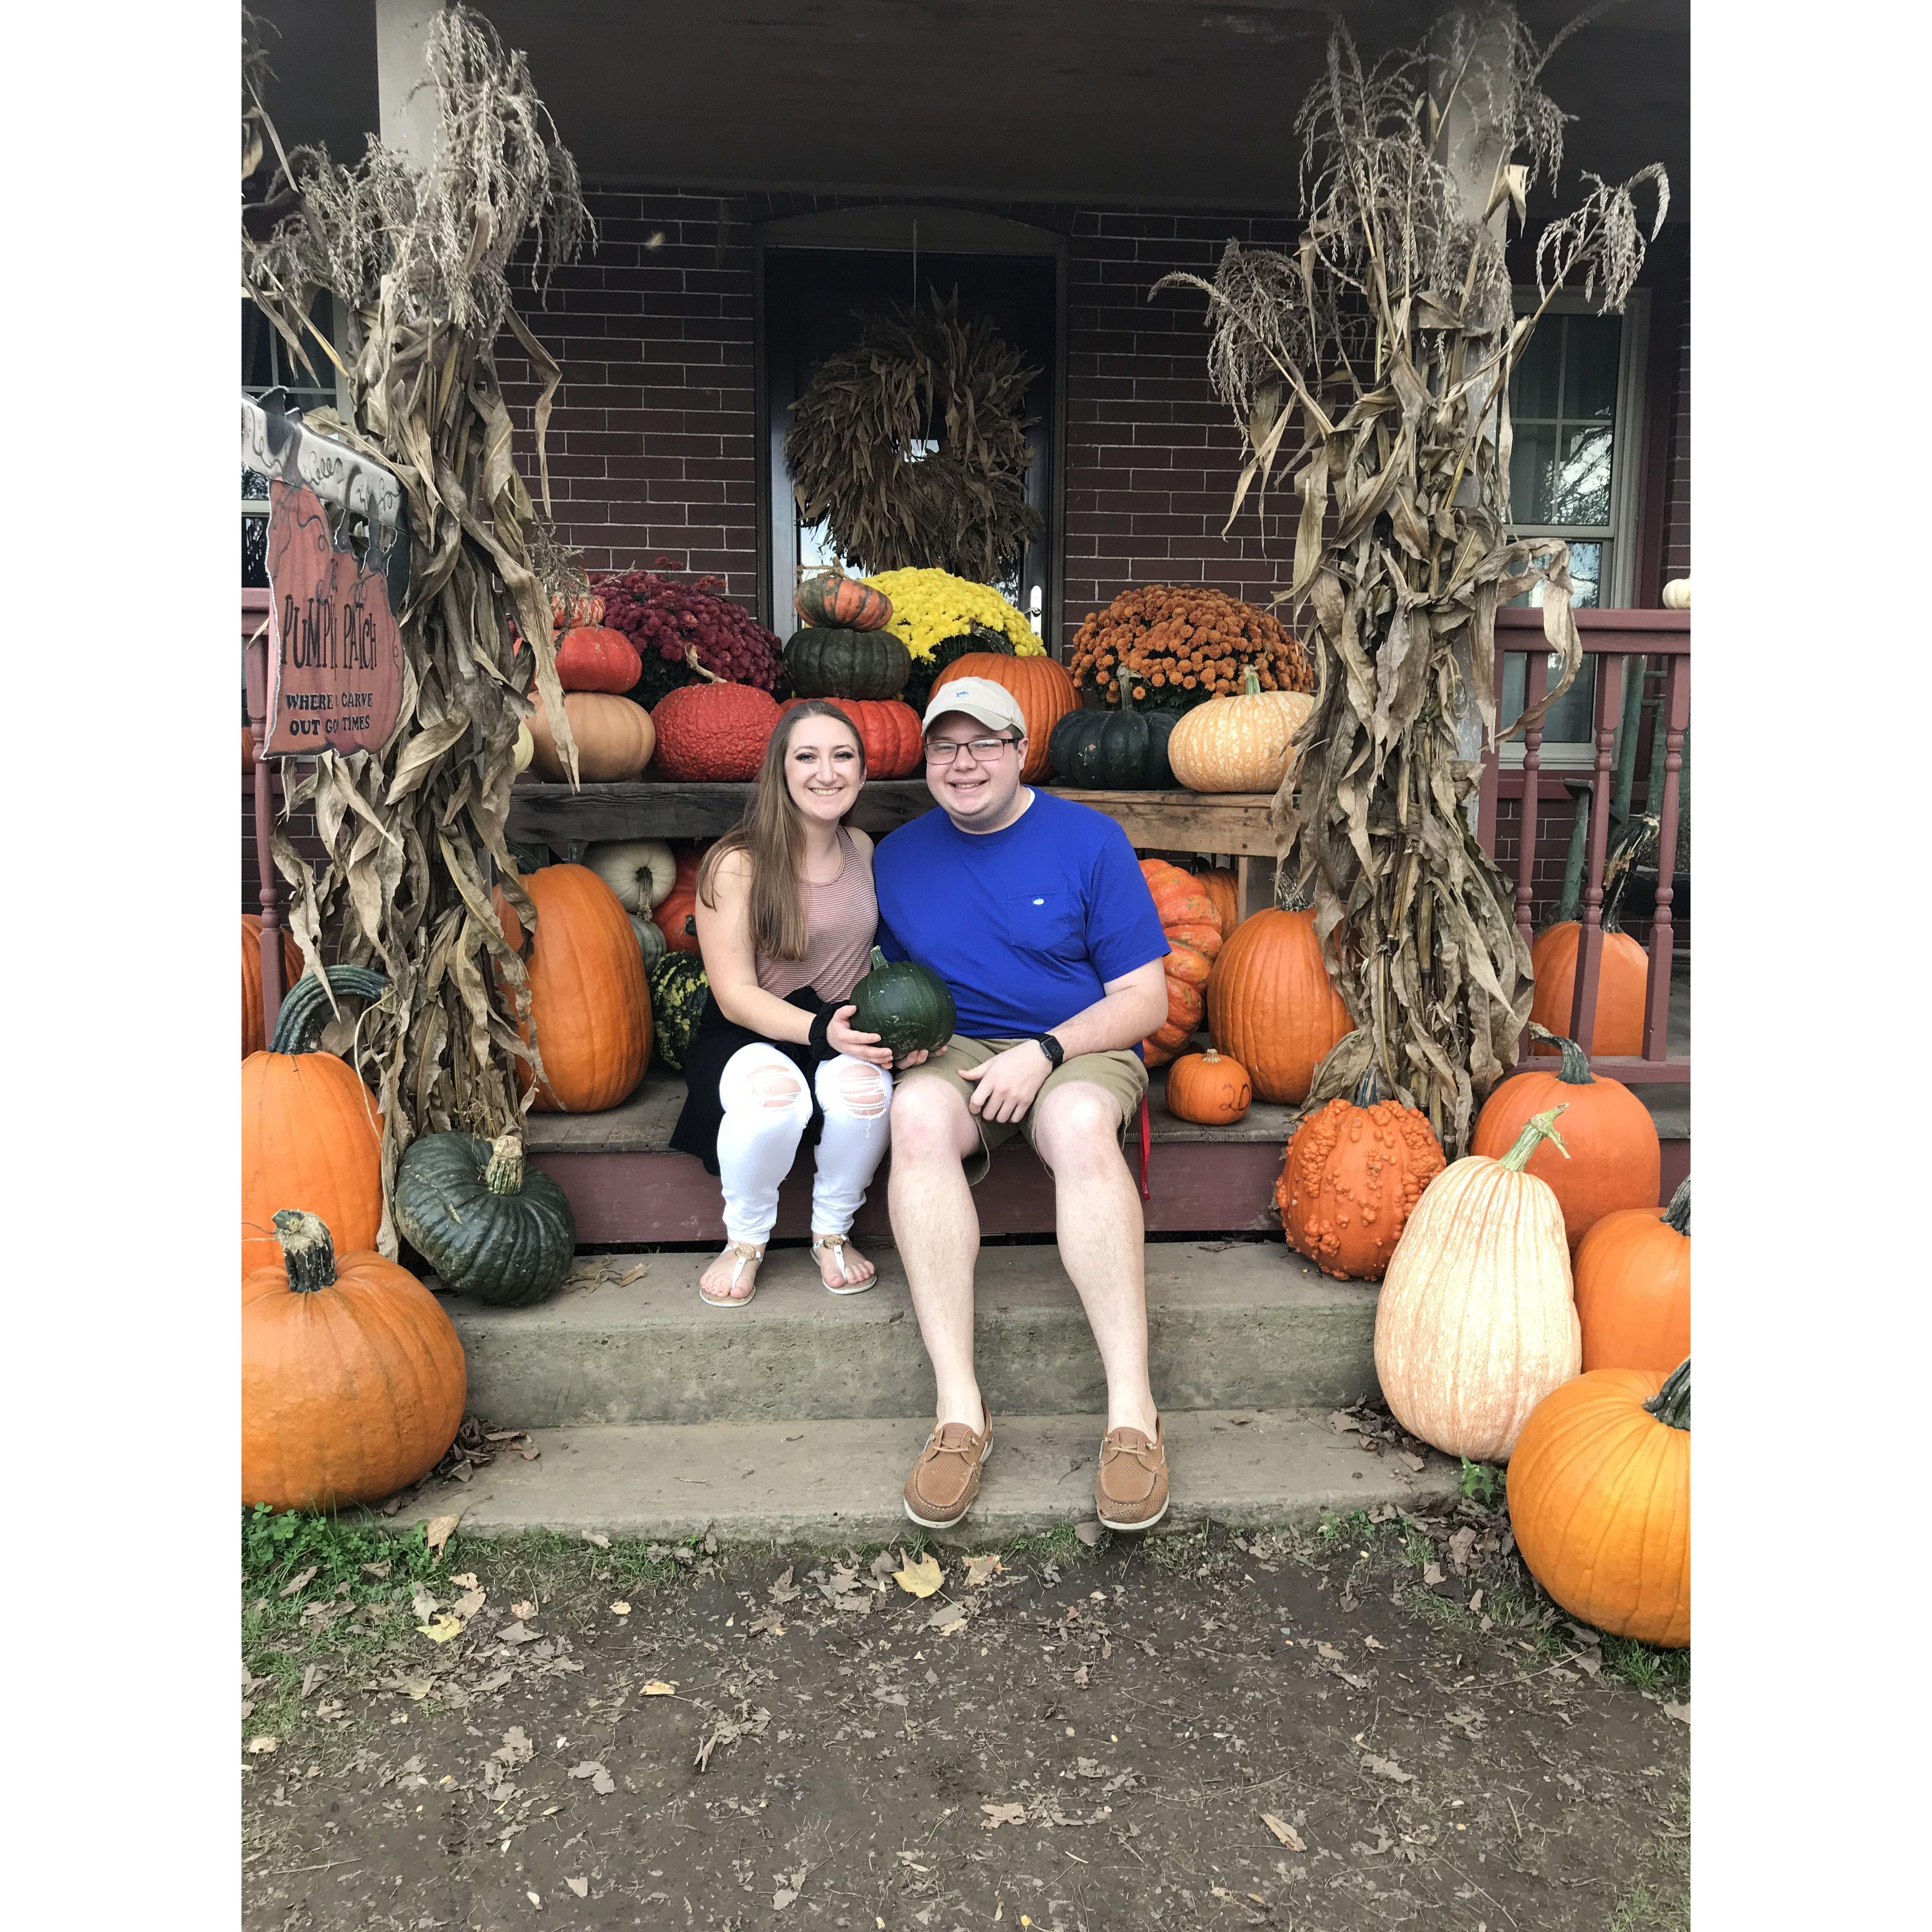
column 772, row 833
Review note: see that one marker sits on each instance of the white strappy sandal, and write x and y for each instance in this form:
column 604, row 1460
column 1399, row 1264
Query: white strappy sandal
column 821, row 1243
column 745, row 1251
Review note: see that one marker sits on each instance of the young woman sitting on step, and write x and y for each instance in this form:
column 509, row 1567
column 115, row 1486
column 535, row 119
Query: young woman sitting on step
column 785, row 918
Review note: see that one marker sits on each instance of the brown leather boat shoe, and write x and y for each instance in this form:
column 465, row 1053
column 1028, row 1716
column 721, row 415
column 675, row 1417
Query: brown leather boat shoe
column 1130, row 1484
column 945, row 1481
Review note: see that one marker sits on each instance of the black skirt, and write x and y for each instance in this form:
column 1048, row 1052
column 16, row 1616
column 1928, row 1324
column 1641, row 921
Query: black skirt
column 713, row 1043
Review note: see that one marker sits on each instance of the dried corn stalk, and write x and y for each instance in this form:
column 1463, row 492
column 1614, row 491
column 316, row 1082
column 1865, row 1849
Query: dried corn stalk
column 417, row 257
column 1386, row 342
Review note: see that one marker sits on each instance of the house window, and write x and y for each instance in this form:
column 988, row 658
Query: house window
column 266, row 363
column 1574, row 408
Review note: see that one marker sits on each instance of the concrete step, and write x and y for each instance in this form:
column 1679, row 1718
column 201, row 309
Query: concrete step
column 1245, row 1325
column 840, row 1481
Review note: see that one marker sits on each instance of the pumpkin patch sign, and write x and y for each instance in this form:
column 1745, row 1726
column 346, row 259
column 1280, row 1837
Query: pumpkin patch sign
column 335, row 652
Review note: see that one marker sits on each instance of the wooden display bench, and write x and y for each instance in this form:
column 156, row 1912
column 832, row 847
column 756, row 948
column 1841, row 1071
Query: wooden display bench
column 1232, row 825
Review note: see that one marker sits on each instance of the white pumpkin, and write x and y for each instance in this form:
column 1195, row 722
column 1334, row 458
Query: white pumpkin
column 526, row 746
column 1240, row 743
column 640, row 871
column 1477, row 1321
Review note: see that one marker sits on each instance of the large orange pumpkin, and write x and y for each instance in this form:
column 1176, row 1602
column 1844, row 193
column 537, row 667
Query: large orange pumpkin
column 888, row 730
column 253, row 1040
column 615, row 738
column 1632, row 1274
column 1620, row 980
column 1194, row 939
column 1599, row 1500
column 310, row 1129
column 1271, row 1004
column 1353, row 1174
column 1045, row 692
column 1615, row 1158
column 352, row 1377
column 1209, row 1089
column 588, row 996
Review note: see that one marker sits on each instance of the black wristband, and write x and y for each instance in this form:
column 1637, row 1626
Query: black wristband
column 1050, row 1045
column 821, row 1026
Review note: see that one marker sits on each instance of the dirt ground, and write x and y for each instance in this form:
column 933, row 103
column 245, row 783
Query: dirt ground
column 1369, row 1724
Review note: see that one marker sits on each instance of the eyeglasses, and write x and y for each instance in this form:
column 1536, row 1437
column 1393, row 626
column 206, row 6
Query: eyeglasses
column 944, row 751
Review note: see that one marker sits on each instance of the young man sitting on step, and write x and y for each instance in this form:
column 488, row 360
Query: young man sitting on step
column 1034, row 913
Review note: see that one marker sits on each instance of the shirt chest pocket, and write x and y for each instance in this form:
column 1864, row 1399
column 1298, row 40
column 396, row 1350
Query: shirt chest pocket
column 1045, row 922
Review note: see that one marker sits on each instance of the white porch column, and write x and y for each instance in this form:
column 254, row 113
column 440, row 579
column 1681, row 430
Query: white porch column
column 406, row 99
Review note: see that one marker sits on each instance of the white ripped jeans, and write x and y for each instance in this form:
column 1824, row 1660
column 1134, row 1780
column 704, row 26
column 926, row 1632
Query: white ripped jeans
column 766, row 1112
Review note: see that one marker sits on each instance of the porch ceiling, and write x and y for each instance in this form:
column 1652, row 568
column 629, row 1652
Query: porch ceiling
column 1134, row 103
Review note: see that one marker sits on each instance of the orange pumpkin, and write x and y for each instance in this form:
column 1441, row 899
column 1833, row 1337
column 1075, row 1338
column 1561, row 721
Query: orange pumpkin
column 252, row 1038
column 1271, row 1004
column 310, row 1129
column 1194, row 939
column 1220, row 886
column 588, row 1000
column 1208, row 1088
column 1632, row 1274
column 1353, row 1174
column 352, row 1377
column 1045, row 692
column 1616, row 1160
column 592, row 657
column 1241, row 743
column 676, row 918
column 1599, row 1500
column 615, row 738
column 831, row 600
column 1620, row 980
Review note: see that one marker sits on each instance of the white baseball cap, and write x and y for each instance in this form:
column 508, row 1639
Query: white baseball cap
column 993, row 704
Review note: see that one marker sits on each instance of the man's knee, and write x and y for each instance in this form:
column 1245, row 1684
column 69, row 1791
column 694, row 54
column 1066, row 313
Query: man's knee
column 929, row 1119
column 1078, row 1126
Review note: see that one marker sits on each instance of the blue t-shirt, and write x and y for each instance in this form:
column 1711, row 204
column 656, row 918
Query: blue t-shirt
column 1025, row 925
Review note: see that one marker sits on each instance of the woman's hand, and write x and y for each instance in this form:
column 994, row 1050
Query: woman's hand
column 840, row 1037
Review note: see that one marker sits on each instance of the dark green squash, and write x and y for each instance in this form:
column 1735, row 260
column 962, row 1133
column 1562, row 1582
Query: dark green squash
column 907, row 1005
column 679, row 989
column 1124, row 750
column 846, row 663
column 489, row 1226
column 927, row 671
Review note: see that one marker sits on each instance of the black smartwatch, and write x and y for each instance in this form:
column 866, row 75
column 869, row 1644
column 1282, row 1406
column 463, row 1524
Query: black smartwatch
column 1055, row 1053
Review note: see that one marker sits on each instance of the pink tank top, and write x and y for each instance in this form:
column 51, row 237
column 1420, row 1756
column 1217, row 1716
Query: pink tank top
column 843, row 915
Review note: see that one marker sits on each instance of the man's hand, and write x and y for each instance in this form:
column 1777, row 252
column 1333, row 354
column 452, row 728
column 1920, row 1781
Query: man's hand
column 913, row 1057
column 1005, row 1086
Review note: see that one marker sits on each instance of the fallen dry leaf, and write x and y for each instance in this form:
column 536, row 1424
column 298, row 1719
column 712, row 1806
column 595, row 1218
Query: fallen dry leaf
column 1681, row 1712
column 998, row 1815
column 658, row 1688
column 920, row 1579
column 1387, row 1768
column 947, row 1617
column 299, row 1582
column 601, row 1781
column 440, row 1629
column 1432, row 1574
column 466, row 1606
column 466, row 1579
column 1373, row 1643
column 1408, row 1462
column 259, row 1746
column 1328, row 1651
column 1090, row 1533
column 620, row 1609
column 378, row 1570
column 1344, row 1425
column 982, row 1569
column 581, row 1886
column 516, row 1748
column 1286, row 1832
column 598, row 1538
column 521, row 1611
column 440, row 1530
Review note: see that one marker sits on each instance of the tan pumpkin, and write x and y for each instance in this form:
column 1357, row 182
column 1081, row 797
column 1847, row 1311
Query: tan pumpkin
column 1045, row 694
column 588, row 996
column 615, row 738
column 1271, row 1004
column 352, row 1376
column 1209, row 1089
column 1476, row 1319
column 1241, row 743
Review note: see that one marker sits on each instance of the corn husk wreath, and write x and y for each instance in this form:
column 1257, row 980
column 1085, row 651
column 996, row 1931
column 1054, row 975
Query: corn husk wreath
column 1389, row 338
column 417, row 258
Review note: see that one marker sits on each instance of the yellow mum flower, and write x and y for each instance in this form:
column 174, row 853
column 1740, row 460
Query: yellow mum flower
column 929, row 606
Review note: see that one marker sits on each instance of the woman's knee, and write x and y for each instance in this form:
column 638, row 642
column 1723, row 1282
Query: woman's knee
column 763, row 1088
column 854, row 1089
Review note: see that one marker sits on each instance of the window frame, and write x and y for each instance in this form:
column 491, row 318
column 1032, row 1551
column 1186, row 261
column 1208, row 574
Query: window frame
column 1617, row 588
column 258, row 506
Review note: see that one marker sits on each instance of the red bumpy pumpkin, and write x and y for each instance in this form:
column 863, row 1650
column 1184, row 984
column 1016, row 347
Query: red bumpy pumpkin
column 1354, row 1173
column 889, row 730
column 712, row 730
column 1615, row 1160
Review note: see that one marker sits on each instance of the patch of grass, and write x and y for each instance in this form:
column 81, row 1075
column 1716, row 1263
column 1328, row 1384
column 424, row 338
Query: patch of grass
column 1666, row 1672
column 1482, row 1483
column 1353, row 1528
column 1058, row 1545
column 1183, row 1550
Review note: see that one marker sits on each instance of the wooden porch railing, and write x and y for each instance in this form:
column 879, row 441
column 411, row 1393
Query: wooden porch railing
column 1617, row 641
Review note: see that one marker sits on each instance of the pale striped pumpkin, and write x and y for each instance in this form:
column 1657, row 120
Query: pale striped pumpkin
column 1240, row 743
column 1477, row 1321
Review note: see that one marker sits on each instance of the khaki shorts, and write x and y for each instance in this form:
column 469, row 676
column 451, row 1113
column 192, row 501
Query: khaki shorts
column 1121, row 1073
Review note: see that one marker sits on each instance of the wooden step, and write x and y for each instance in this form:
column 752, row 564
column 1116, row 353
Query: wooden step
column 1239, row 1324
